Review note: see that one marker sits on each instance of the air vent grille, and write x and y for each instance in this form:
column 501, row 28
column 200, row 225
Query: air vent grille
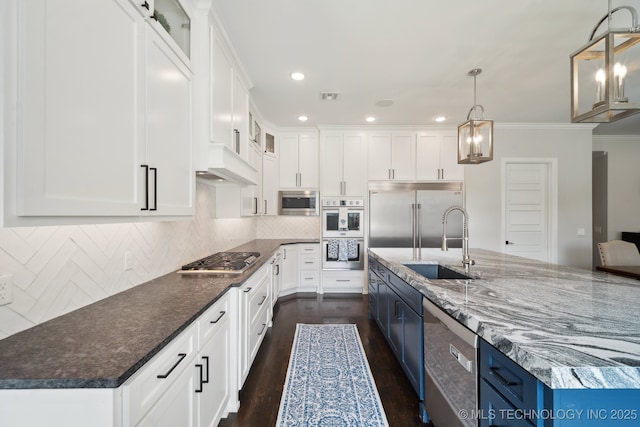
column 329, row 96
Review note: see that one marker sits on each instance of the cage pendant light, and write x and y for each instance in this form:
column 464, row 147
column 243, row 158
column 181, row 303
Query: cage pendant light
column 602, row 68
column 475, row 136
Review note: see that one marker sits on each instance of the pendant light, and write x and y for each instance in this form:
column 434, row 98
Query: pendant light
column 475, row 136
column 602, row 68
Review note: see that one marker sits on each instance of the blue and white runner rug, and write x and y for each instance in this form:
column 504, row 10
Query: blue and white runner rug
column 329, row 382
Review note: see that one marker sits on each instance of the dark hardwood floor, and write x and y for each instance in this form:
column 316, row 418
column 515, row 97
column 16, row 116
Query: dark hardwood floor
column 260, row 396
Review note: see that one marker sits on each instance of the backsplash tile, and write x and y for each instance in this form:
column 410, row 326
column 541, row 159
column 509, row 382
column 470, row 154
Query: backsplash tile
column 59, row 269
column 289, row 227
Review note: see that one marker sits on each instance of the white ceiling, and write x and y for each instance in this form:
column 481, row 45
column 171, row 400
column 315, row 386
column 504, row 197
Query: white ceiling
column 416, row 53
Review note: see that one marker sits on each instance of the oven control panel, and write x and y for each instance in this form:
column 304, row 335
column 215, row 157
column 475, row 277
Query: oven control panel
column 337, row 202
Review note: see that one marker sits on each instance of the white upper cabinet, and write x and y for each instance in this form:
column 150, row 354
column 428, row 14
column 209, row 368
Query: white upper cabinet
column 298, row 160
column 437, row 157
column 270, row 175
column 100, row 94
column 229, row 101
column 343, row 160
column 392, row 156
column 168, row 130
column 221, row 95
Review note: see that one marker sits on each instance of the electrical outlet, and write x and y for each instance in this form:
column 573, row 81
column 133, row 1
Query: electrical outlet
column 6, row 289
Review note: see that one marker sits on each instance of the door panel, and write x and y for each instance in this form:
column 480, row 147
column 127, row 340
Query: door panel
column 527, row 210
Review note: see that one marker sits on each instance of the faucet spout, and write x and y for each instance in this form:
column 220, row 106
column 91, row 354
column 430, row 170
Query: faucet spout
column 466, row 259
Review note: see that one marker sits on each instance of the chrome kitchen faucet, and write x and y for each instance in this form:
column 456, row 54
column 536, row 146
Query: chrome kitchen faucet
column 466, row 259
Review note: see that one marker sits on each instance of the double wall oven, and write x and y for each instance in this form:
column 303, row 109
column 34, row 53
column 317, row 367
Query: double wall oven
column 343, row 234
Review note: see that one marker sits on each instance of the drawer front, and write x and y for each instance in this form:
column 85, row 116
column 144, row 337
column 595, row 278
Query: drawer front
column 257, row 332
column 310, row 249
column 309, row 262
column 495, row 410
column 508, row 378
column 146, row 387
column 409, row 295
column 309, row 280
column 258, row 298
column 212, row 320
column 377, row 268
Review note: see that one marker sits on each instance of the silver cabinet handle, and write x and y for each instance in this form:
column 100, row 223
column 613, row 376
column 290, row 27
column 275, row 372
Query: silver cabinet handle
column 265, row 207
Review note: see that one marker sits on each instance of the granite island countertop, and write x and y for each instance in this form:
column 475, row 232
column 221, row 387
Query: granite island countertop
column 571, row 328
column 104, row 343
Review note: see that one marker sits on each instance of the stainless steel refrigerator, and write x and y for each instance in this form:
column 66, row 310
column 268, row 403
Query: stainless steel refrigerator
column 409, row 215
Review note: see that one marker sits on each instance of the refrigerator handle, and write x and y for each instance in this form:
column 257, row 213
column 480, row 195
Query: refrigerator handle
column 418, row 207
column 413, row 228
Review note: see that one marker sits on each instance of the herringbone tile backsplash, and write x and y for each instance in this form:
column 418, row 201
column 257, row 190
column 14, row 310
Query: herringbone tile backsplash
column 59, row 269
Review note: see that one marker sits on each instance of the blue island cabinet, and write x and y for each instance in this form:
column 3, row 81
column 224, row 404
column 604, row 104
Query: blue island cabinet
column 398, row 312
column 509, row 396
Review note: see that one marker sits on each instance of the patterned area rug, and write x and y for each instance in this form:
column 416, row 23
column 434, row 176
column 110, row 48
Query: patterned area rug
column 329, row 382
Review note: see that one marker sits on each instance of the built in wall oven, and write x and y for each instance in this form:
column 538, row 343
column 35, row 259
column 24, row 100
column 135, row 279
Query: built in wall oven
column 343, row 234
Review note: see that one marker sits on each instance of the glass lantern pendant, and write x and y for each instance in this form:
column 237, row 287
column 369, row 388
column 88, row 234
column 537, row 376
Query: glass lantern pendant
column 475, row 136
column 605, row 74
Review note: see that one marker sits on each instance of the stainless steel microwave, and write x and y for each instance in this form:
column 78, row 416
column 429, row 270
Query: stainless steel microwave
column 298, row 202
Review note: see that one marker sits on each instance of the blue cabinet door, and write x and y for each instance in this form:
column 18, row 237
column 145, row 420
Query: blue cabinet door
column 413, row 349
column 396, row 335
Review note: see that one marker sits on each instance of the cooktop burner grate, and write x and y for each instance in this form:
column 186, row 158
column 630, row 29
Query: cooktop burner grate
column 222, row 262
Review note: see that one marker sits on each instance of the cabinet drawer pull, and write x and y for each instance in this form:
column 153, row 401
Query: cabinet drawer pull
column 396, row 310
column 146, row 187
column 145, row 5
column 255, row 211
column 264, row 325
column 181, row 358
column 309, row 262
column 199, row 389
column 343, row 280
column 155, row 189
column 202, row 370
column 206, row 359
column 247, row 290
column 264, row 297
column 502, row 380
column 222, row 313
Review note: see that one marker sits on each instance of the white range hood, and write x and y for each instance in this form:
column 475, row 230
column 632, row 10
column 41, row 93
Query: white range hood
column 225, row 165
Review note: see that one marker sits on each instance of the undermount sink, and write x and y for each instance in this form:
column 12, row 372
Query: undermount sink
column 436, row 271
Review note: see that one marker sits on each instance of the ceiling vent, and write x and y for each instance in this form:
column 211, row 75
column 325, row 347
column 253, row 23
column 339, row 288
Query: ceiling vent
column 329, row 96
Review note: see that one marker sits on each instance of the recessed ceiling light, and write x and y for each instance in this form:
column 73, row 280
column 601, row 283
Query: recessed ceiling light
column 370, row 119
column 439, row 118
column 303, row 118
column 297, row 75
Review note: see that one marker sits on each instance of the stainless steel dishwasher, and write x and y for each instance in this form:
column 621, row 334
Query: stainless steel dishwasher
column 450, row 361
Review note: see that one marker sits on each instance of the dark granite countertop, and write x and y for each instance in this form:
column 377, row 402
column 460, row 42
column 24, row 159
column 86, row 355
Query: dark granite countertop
column 104, row 343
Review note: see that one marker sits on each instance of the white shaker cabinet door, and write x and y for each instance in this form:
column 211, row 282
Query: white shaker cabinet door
column 168, row 130
column 79, row 121
column 354, row 174
column 289, row 161
column 331, row 161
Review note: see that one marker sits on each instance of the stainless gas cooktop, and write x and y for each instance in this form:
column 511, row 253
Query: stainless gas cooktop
column 222, row 262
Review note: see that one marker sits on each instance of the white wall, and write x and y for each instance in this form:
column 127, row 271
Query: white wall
column 58, row 269
column 623, row 183
column 571, row 145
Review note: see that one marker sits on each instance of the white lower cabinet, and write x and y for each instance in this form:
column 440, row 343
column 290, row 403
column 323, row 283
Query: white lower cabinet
column 213, row 386
column 290, row 270
column 309, row 267
column 188, row 383
column 162, row 393
column 342, row 281
column 254, row 318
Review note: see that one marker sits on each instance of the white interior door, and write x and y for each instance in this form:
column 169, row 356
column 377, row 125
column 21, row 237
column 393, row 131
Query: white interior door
column 527, row 210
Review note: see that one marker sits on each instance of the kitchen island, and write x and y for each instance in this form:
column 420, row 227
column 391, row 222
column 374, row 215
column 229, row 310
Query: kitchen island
column 574, row 331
